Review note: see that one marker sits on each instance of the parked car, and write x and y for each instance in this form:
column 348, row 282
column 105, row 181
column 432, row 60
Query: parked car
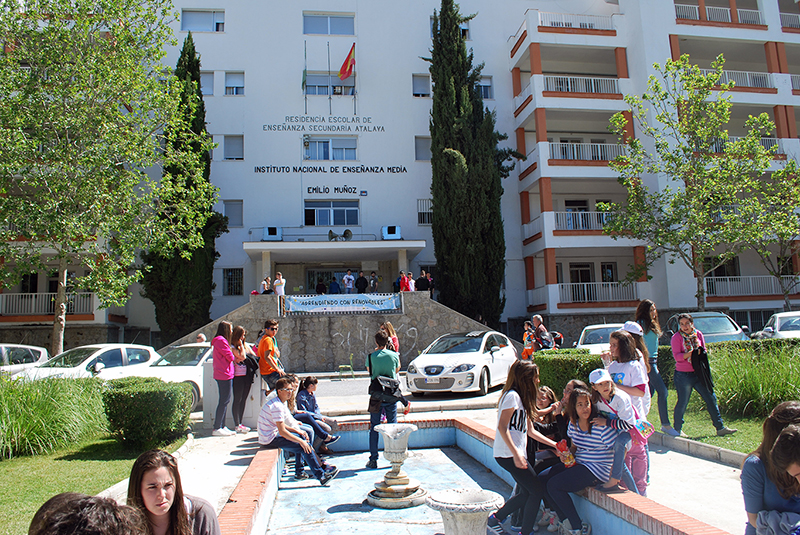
column 781, row 325
column 15, row 358
column 715, row 326
column 92, row 360
column 462, row 362
column 182, row 364
column 595, row 337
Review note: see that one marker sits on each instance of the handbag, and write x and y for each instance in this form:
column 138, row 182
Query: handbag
column 385, row 389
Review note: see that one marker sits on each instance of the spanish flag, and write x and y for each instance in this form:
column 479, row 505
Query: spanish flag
column 349, row 64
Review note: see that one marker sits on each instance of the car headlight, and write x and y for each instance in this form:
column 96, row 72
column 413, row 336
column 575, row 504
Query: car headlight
column 412, row 369
column 463, row 368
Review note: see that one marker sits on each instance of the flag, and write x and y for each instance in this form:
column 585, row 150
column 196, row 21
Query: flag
column 305, row 75
column 349, row 64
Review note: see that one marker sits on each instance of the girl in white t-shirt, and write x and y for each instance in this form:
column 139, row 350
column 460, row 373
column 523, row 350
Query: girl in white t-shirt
column 516, row 409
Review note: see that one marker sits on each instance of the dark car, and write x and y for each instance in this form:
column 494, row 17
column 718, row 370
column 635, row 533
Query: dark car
column 715, row 326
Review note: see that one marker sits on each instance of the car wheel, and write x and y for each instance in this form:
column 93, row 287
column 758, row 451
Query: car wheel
column 483, row 385
column 417, row 394
column 195, row 396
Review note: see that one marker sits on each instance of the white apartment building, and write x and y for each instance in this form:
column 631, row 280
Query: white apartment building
column 318, row 175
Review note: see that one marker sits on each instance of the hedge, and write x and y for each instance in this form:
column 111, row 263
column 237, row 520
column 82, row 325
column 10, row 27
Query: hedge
column 557, row 368
column 147, row 412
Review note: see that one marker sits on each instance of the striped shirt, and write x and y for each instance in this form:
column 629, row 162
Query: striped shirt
column 595, row 449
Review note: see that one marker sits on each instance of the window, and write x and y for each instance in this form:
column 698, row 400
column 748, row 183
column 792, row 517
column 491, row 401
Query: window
column 608, row 271
column 485, row 85
column 137, row 356
column 233, row 281
column 234, row 83
column 30, row 283
column 330, row 84
column 234, row 211
column 424, row 211
column 421, row 85
column 202, row 21
column 207, row 83
column 329, row 24
column 340, row 148
column 464, row 30
column 110, row 359
column 234, row 147
column 728, row 269
column 422, row 148
column 331, row 213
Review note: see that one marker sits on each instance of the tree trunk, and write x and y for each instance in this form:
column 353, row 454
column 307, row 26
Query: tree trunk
column 60, row 309
column 786, row 288
column 701, row 291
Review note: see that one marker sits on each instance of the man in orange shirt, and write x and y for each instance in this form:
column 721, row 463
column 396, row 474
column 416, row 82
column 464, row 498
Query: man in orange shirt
column 269, row 361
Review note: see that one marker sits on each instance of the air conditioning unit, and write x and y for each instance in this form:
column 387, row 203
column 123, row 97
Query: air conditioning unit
column 391, row 232
column 272, row 234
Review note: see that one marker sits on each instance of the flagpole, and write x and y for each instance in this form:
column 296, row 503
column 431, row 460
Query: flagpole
column 330, row 87
column 305, row 74
column 355, row 82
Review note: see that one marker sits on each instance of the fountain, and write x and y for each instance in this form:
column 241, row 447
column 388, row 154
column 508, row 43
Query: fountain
column 396, row 490
column 464, row 511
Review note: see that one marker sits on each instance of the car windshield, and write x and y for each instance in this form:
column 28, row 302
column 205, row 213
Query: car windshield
column 71, row 358
column 714, row 325
column 182, row 356
column 456, row 343
column 599, row 335
column 790, row 324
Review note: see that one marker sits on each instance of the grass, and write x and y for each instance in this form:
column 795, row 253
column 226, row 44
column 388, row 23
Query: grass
column 697, row 424
column 89, row 466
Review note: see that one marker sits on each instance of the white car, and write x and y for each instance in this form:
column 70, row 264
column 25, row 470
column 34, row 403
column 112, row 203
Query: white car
column 182, row 364
column 595, row 338
column 93, row 360
column 15, row 358
column 462, row 362
column 782, row 325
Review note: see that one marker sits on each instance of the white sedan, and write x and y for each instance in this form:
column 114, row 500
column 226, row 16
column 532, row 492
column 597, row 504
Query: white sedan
column 15, row 358
column 93, row 360
column 595, row 338
column 782, row 325
column 462, row 362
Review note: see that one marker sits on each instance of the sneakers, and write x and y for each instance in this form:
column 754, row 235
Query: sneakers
column 668, row 430
column 243, row 429
column 494, row 525
column 725, row 431
column 586, row 529
column 372, row 464
column 547, row 514
column 328, row 476
column 682, row 434
column 553, row 525
column 331, row 439
column 301, row 476
column 222, row 432
column 407, row 409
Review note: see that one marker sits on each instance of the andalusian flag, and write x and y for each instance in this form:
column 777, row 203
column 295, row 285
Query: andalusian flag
column 349, row 64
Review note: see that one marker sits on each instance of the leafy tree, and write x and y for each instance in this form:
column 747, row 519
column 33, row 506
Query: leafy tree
column 180, row 286
column 699, row 174
column 467, row 172
column 85, row 100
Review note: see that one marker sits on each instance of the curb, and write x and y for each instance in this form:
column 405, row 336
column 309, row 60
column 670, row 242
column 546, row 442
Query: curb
column 693, row 448
column 418, row 408
column 119, row 491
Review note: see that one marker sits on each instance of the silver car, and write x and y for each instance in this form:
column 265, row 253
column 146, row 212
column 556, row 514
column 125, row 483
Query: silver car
column 15, row 358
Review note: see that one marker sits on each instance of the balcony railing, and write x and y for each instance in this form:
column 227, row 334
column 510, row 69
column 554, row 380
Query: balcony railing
column 591, row 292
column 28, row 304
column 718, row 14
column 581, row 220
column 537, row 296
column 790, row 20
column 519, row 99
column 580, row 84
column 586, row 151
column 796, row 81
column 766, row 142
column 744, row 78
column 755, row 285
column 567, row 20
column 532, row 228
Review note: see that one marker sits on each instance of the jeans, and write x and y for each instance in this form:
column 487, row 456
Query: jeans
column 308, row 419
column 293, row 447
column 225, row 388
column 241, row 387
column 560, row 481
column 684, row 383
column 374, row 419
column 298, row 459
column 619, row 470
column 531, row 491
column 657, row 385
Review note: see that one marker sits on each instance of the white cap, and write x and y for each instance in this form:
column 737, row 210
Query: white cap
column 599, row 375
column 633, row 328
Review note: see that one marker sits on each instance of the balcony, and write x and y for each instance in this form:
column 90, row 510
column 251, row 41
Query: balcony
column 568, row 20
column 598, row 152
column 580, row 221
column 521, row 100
column 533, row 228
column 597, row 292
column 762, row 285
column 745, row 79
column 767, row 142
column 719, row 14
column 790, row 20
column 581, row 84
column 796, row 82
column 43, row 304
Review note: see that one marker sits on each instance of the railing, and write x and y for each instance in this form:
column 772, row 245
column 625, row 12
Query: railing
column 519, row 99
column 719, row 14
column 530, row 158
column 744, row 78
column 766, row 142
column 750, row 16
column 796, row 81
column 580, row 84
column 30, row 304
column 532, row 228
column 537, row 296
column 581, row 220
column 754, row 285
column 790, row 20
column 683, row 11
column 586, row 151
column 567, row 20
column 591, row 292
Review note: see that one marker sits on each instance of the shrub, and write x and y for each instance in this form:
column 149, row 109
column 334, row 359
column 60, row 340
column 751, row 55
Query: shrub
column 147, row 412
column 557, row 368
column 41, row 416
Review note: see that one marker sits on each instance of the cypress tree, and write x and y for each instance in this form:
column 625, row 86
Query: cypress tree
column 180, row 285
column 467, row 172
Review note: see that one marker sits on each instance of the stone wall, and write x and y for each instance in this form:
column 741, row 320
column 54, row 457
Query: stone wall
column 323, row 342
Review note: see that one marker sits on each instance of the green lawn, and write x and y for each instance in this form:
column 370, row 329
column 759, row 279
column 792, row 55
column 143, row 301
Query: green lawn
column 697, row 424
column 89, row 467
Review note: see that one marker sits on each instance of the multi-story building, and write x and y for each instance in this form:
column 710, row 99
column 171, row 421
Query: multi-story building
column 318, row 175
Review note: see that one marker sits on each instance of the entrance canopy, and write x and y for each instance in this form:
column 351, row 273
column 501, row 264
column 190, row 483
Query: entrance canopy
column 333, row 251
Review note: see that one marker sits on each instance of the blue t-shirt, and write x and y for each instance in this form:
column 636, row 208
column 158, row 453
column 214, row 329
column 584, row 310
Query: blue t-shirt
column 761, row 494
column 651, row 343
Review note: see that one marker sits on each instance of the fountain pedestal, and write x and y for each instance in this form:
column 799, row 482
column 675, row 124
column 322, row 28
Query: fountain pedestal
column 396, row 490
column 465, row 511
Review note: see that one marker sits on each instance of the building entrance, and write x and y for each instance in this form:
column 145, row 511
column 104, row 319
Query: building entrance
column 313, row 277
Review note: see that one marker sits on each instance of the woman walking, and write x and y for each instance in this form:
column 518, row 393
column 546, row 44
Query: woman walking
column 223, row 375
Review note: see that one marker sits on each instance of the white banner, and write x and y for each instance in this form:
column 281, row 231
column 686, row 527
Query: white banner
column 342, row 303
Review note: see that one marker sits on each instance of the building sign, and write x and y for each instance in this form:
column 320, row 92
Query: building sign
column 322, row 304
column 332, row 169
column 324, row 124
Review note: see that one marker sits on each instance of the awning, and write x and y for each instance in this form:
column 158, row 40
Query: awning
column 333, row 251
